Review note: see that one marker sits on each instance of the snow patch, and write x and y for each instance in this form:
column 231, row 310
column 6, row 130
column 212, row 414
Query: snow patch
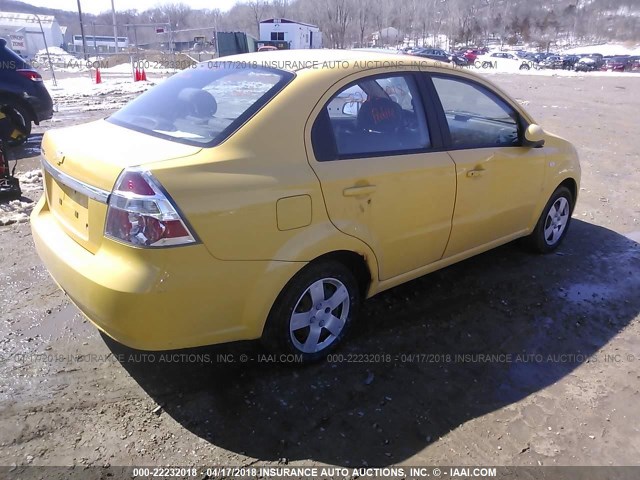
column 31, row 180
column 605, row 49
column 16, row 211
column 83, row 86
column 83, row 94
column 61, row 60
column 148, row 66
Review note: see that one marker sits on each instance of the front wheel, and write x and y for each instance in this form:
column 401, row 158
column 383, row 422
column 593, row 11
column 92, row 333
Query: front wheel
column 313, row 312
column 553, row 223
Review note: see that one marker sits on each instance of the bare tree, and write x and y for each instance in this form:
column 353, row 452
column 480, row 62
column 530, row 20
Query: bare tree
column 380, row 18
column 259, row 8
column 176, row 14
column 338, row 16
column 280, row 8
column 346, row 22
column 363, row 18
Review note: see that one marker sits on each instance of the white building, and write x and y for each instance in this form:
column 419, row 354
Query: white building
column 98, row 44
column 298, row 35
column 24, row 32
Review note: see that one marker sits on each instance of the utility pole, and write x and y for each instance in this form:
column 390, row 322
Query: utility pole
column 46, row 47
column 84, row 40
column 115, row 25
column 95, row 45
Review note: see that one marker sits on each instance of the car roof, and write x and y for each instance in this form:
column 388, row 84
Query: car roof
column 303, row 59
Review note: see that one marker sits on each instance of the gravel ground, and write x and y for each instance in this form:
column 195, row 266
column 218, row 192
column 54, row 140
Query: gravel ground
column 508, row 358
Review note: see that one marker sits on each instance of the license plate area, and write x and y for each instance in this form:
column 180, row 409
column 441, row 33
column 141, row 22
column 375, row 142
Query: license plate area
column 71, row 208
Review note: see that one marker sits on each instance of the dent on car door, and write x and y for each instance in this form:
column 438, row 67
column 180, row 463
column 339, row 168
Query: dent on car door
column 382, row 181
column 499, row 181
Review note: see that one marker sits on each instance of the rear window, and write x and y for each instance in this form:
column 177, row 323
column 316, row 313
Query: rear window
column 204, row 105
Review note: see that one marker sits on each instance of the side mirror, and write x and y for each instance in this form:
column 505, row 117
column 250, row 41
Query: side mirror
column 351, row 109
column 534, row 136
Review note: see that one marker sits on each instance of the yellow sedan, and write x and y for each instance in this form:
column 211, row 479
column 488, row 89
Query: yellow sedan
column 266, row 195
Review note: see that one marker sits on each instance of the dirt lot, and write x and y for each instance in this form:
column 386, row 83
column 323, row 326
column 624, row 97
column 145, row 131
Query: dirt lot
column 519, row 359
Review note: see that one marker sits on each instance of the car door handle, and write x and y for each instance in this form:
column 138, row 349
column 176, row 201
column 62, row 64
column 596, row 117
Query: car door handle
column 360, row 190
column 475, row 173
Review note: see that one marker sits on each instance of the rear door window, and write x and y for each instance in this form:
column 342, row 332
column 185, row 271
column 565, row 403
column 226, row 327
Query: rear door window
column 371, row 117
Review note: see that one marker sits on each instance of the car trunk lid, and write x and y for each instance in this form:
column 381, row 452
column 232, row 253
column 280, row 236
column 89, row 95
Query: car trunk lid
column 81, row 165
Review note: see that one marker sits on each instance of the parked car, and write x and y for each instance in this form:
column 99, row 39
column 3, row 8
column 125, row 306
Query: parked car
column 199, row 223
column 457, row 59
column 553, row 62
column 587, row 64
column 616, row 64
column 529, row 56
column 433, row 54
column 539, row 57
column 472, row 54
column 598, row 58
column 564, row 62
column 503, row 59
column 22, row 89
column 569, row 61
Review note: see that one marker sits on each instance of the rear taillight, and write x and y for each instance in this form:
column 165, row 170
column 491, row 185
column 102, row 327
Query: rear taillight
column 30, row 74
column 141, row 214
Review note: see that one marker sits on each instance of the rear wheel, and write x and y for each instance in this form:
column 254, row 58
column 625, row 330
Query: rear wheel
column 553, row 223
column 313, row 312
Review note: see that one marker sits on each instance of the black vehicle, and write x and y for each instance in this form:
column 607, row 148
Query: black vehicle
column 539, row 57
column 553, row 62
column 459, row 60
column 22, row 89
column 586, row 64
column 569, row 61
column 529, row 56
column 589, row 62
column 433, row 54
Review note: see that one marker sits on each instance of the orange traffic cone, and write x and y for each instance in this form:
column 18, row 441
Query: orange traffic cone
column 98, row 76
column 143, row 76
column 137, row 76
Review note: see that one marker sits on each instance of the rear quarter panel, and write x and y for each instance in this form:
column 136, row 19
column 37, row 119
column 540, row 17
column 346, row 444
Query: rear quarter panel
column 230, row 193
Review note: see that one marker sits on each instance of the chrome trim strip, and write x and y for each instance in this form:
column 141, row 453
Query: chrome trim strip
column 90, row 191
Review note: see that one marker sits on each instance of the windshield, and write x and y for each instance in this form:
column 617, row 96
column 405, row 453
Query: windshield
column 204, row 105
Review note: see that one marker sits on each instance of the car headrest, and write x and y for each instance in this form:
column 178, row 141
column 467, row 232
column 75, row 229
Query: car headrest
column 201, row 103
column 380, row 114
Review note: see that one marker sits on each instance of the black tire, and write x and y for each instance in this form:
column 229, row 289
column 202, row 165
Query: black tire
column 540, row 240
column 25, row 119
column 278, row 336
column 524, row 66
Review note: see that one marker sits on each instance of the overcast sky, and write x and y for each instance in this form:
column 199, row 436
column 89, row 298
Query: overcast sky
column 97, row 6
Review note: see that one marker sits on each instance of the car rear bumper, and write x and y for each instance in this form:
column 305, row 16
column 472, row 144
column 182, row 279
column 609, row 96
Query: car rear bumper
column 42, row 107
column 160, row 299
